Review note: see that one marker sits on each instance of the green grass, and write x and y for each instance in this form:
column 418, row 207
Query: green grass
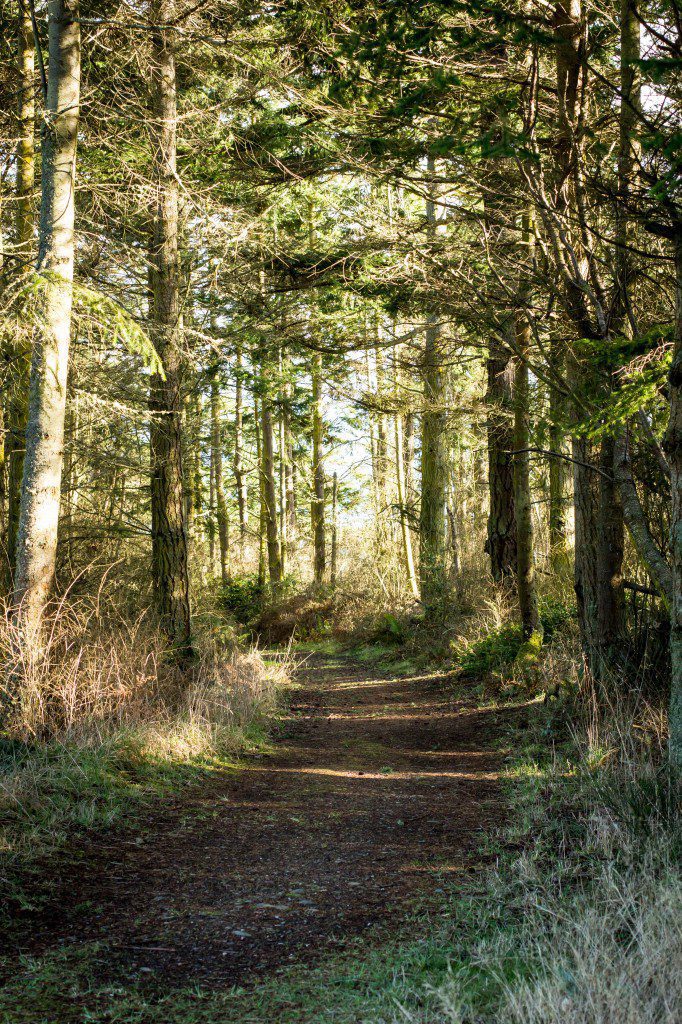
column 503, row 646
column 464, row 947
column 585, row 898
column 49, row 793
column 366, row 981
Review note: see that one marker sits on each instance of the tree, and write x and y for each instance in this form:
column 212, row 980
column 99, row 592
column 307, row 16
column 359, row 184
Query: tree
column 168, row 508
column 42, row 473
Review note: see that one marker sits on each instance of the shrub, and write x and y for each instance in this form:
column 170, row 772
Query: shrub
column 243, row 597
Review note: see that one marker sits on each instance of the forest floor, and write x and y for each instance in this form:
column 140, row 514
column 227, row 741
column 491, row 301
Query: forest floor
column 376, row 792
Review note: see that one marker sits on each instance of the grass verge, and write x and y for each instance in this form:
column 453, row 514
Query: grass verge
column 580, row 922
column 114, row 757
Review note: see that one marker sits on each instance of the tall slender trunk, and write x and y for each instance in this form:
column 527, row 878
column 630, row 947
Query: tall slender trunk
column 289, row 473
column 335, row 545
column 501, row 540
column 408, row 432
column 217, row 455
column 453, row 523
column 269, row 482
column 18, row 384
column 673, row 447
column 401, row 479
column 211, row 520
column 432, row 573
column 501, row 526
column 283, row 461
column 262, row 517
column 317, row 511
column 195, row 503
column 238, row 464
column 558, row 541
column 402, row 504
column 40, row 492
column 525, row 571
column 169, row 526
column 374, row 460
column 599, row 525
column 381, row 441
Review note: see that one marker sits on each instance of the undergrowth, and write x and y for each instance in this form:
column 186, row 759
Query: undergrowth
column 578, row 922
column 100, row 725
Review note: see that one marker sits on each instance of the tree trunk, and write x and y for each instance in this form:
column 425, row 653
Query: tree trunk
column 673, row 447
column 284, row 456
column 598, row 513
column 525, row 571
column 169, row 527
column 402, row 504
column 289, row 475
column 334, row 555
column 211, row 520
column 269, row 484
column 432, row 573
column 40, row 492
column 217, row 455
column 501, row 542
column 317, row 514
column 238, row 465
column 558, row 541
column 18, row 384
column 262, row 518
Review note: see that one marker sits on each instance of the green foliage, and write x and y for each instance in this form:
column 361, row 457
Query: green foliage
column 641, row 367
column 390, row 628
column 94, row 314
column 244, row 597
column 503, row 646
column 99, row 313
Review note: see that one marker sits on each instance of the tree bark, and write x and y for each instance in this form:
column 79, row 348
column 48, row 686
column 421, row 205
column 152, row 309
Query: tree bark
column 269, row 483
column 673, row 448
column 169, row 527
column 18, row 384
column 317, row 511
column 217, row 454
column 558, row 540
column 501, row 540
column 237, row 464
column 334, row 553
column 43, row 464
column 525, row 571
column 432, row 574
column 636, row 521
column 402, row 504
column 262, row 517
column 598, row 513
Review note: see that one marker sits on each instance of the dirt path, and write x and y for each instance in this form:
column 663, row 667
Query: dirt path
column 376, row 787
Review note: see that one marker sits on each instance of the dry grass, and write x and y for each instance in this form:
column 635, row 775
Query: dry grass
column 589, row 915
column 100, row 723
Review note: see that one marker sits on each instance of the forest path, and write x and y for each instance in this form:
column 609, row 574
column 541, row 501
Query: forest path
column 376, row 789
